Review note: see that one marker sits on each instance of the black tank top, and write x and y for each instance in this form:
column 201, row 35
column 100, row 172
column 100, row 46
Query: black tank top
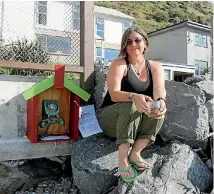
column 131, row 83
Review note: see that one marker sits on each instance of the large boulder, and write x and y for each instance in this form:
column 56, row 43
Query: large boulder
column 207, row 87
column 11, row 179
column 100, row 84
column 210, row 106
column 194, row 79
column 94, row 164
column 186, row 117
column 176, row 169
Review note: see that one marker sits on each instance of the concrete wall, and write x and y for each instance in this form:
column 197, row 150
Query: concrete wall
column 12, row 104
column 169, row 46
column 13, row 119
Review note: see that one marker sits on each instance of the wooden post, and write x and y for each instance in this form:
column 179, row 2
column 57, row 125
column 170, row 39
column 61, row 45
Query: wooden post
column 32, row 109
column 87, row 44
column 74, row 116
column 59, row 76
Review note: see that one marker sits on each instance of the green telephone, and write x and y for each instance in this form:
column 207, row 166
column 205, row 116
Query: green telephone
column 50, row 114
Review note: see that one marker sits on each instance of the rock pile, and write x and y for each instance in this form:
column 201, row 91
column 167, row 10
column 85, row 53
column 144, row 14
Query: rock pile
column 180, row 162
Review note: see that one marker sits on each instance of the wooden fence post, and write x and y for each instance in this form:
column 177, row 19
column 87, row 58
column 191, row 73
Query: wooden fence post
column 87, row 44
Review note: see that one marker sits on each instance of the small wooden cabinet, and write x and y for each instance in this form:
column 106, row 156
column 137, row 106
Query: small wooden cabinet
column 53, row 108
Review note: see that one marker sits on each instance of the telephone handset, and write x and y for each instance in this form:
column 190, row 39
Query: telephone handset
column 50, row 114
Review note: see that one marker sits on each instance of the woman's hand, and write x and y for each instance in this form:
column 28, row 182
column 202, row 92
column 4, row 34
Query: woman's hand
column 140, row 101
column 162, row 111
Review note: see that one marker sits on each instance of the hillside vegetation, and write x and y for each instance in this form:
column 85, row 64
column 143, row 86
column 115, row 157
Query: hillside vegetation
column 153, row 15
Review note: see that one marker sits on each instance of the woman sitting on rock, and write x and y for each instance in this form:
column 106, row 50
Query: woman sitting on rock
column 133, row 83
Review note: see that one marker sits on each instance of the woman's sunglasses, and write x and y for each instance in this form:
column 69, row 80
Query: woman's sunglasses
column 137, row 41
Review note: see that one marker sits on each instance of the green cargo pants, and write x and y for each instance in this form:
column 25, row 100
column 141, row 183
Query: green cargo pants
column 123, row 122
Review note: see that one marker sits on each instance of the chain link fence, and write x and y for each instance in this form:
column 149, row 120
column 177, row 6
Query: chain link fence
column 45, row 32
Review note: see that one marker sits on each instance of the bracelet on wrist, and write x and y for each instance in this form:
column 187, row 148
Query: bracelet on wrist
column 161, row 98
column 130, row 96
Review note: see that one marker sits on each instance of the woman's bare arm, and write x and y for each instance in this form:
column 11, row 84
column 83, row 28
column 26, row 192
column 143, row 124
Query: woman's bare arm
column 114, row 77
column 159, row 90
column 158, row 80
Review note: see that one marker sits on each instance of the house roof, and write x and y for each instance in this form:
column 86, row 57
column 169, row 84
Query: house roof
column 179, row 25
column 48, row 83
column 109, row 11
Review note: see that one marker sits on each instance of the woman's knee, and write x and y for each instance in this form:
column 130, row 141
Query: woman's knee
column 151, row 126
column 127, row 107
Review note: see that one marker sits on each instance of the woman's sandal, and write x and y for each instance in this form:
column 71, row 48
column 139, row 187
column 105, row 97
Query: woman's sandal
column 135, row 162
column 131, row 179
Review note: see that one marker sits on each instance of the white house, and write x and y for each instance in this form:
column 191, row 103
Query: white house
column 110, row 25
column 56, row 25
column 186, row 44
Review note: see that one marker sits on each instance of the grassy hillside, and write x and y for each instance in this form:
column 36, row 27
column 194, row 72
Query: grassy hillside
column 158, row 14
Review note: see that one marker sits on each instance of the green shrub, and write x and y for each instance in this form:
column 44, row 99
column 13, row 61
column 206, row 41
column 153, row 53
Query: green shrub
column 24, row 51
column 201, row 20
column 193, row 16
column 177, row 13
column 160, row 15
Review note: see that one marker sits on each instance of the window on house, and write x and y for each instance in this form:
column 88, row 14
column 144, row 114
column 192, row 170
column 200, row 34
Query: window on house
column 100, row 27
column 111, row 54
column 42, row 12
column 42, row 39
column 76, row 16
column 167, row 74
column 126, row 25
column 201, row 40
column 99, row 54
column 55, row 44
column 200, row 67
